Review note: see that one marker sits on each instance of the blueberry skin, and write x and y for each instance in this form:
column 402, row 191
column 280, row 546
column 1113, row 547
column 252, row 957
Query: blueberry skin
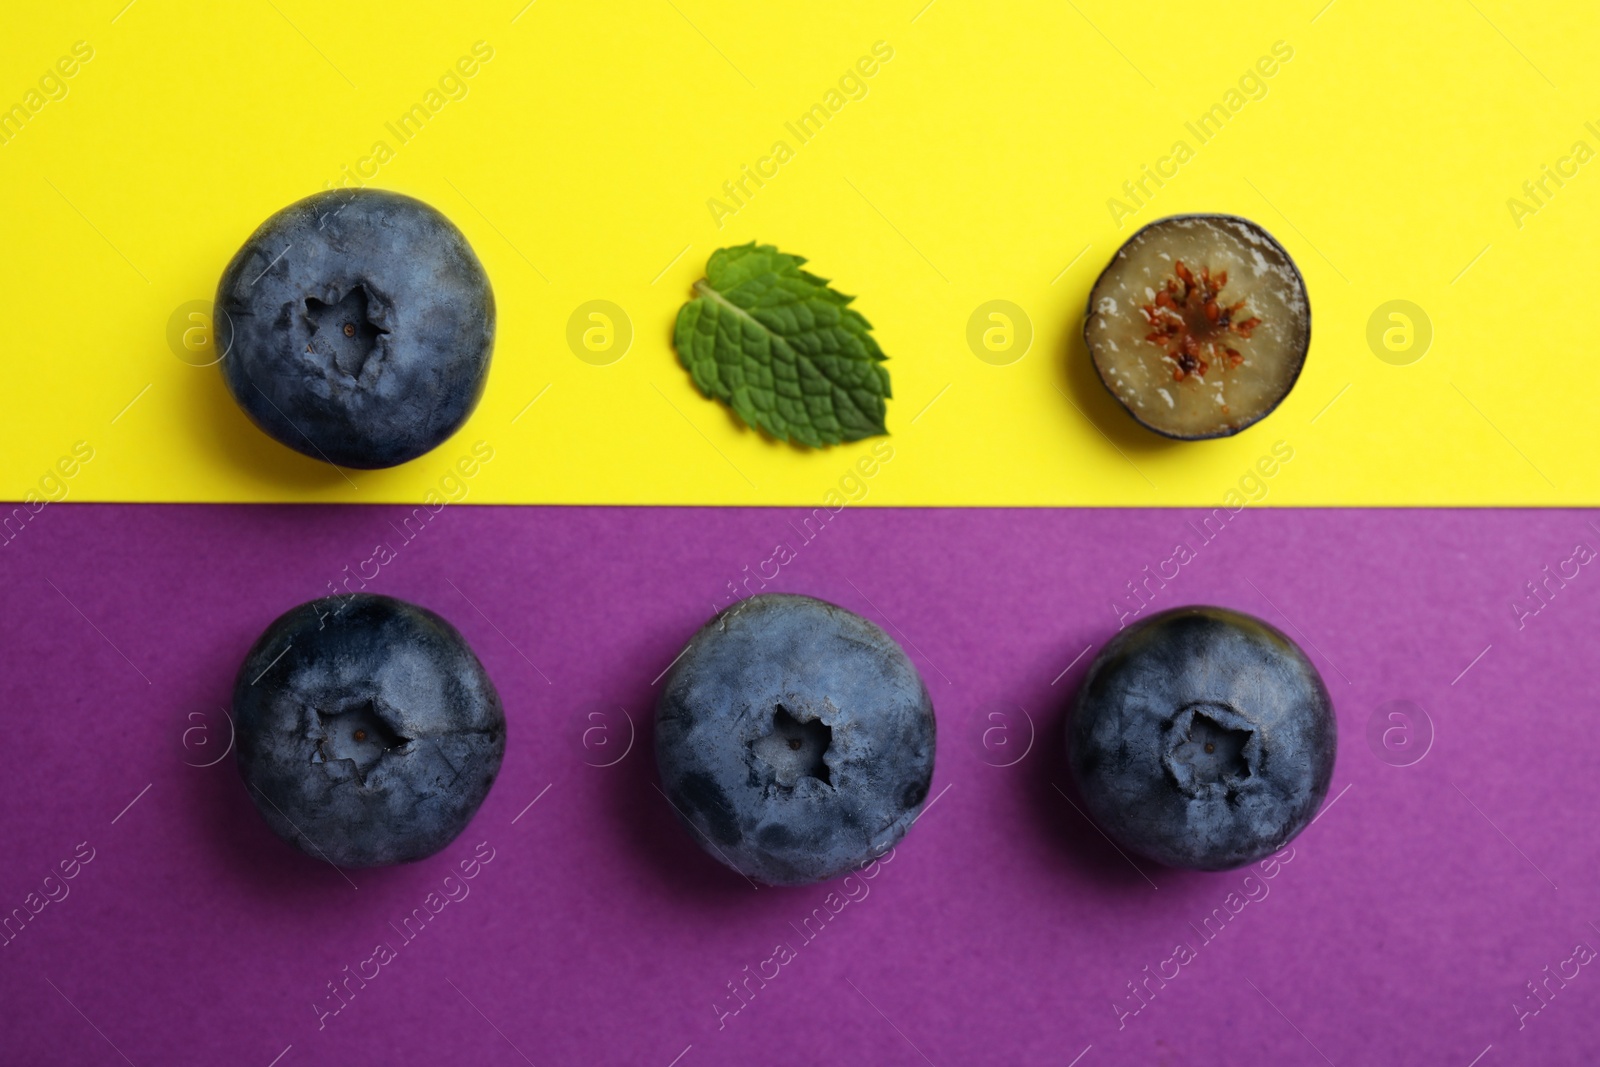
column 368, row 732
column 795, row 739
column 1202, row 738
column 356, row 327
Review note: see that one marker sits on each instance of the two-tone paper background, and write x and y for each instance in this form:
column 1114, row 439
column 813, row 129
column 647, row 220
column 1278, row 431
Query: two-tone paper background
column 1427, row 165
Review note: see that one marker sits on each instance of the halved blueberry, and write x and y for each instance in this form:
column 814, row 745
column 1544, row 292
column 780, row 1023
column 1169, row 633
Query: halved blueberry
column 1199, row 325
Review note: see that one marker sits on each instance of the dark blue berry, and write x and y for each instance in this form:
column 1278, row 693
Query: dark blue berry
column 356, row 327
column 1202, row 738
column 795, row 739
column 368, row 732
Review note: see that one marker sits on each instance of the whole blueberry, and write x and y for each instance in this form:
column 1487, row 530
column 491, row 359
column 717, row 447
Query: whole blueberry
column 368, row 732
column 356, row 327
column 795, row 739
column 1202, row 738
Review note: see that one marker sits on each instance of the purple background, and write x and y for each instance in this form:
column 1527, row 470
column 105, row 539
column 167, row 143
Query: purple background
column 1004, row 930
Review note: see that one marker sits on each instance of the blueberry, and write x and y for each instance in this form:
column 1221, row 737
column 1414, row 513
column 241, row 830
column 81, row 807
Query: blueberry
column 1202, row 738
column 795, row 739
column 368, row 732
column 1199, row 326
column 356, row 327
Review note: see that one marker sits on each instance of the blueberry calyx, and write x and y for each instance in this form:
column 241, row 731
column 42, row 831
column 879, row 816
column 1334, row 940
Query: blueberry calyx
column 795, row 748
column 345, row 329
column 1210, row 749
column 356, row 733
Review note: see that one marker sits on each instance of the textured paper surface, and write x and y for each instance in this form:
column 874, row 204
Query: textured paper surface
column 1004, row 930
column 1424, row 152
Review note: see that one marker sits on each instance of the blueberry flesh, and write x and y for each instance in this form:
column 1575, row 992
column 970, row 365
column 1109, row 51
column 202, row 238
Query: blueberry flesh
column 1199, row 325
column 1202, row 738
column 368, row 732
column 356, row 327
column 795, row 739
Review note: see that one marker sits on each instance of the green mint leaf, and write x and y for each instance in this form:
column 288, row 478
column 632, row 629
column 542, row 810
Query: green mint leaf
column 782, row 349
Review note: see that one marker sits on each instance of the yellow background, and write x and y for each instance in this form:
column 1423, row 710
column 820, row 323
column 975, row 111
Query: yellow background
column 977, row 168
